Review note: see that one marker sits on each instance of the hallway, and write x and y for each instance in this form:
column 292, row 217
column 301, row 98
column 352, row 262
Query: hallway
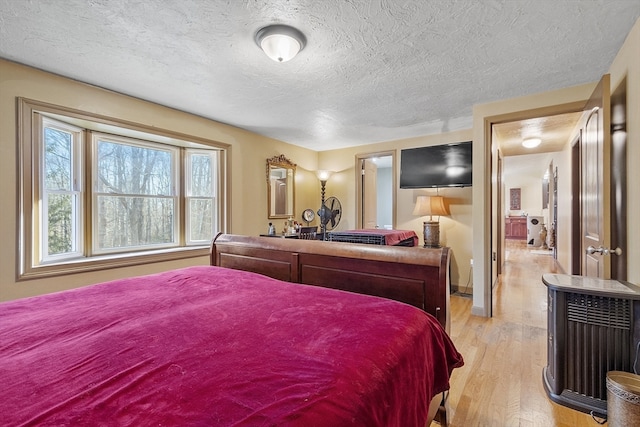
column 501, row 382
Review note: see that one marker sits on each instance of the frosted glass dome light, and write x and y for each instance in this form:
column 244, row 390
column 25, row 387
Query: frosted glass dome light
column 531, row 142
column 280, row 42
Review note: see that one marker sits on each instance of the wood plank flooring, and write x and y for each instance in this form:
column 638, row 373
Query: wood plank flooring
column 501, row 381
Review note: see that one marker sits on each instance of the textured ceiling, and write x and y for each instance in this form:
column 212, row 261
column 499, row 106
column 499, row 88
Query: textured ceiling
column 372, row 70
column 554, row 131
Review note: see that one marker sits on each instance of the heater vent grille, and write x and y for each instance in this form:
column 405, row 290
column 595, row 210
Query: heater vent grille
column 599, row 340
column 599, row 311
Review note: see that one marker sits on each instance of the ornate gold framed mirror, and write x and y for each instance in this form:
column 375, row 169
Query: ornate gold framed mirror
column 281, row 174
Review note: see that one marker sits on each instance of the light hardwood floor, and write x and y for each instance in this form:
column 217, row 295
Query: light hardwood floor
column 501, row 381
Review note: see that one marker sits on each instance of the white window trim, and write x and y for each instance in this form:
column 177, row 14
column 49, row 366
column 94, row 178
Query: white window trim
column 77, row 186
column 174, row 194
column 188, row 193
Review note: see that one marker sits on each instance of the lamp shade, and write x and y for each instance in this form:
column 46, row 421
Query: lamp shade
column 430, row 205
column 324, row 175
column 280, row 42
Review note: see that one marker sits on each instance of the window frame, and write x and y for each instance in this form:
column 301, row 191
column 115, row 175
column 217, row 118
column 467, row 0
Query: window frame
column 76, row 187
column 30, row 266
column 188, row 190
column 174, row 193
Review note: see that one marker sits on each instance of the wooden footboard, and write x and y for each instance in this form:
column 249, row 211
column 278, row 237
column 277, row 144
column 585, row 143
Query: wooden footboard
column 414, row 275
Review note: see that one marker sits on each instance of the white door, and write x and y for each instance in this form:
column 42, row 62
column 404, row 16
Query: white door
column 370, row 198
column 595, row 183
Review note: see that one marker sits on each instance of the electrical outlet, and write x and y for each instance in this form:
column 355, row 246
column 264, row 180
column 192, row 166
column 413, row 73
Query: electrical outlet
column 471, row 262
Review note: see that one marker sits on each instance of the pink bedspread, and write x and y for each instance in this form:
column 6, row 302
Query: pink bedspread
column 208, row 346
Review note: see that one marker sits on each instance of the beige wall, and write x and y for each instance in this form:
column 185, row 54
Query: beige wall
column 455, row 229
column 625, row 65
column 248, row 212
column 529, row 183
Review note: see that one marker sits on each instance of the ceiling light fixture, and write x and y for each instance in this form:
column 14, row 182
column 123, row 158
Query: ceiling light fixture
column 280, row 42
column 531, row 142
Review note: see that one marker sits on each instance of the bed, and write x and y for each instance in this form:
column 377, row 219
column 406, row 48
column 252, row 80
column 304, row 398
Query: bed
column 375, row 236
column 210, row 345
column 413, row 275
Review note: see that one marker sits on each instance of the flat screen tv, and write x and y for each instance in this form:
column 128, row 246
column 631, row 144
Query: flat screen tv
column 447, row 165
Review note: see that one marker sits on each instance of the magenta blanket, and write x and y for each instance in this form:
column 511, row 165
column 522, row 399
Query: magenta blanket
column 207, row 346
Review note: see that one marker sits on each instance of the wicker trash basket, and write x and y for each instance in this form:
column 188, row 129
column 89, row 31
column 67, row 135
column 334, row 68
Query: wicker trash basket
column 623, row 399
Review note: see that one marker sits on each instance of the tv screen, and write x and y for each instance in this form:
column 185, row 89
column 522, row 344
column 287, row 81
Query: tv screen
column 447, row 165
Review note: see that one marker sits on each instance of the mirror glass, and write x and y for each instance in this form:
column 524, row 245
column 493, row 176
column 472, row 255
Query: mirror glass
column 281, row 173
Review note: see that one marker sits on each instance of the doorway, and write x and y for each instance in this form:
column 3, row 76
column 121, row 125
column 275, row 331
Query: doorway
column 570, row 182
column 375, row 184
column 537, row 175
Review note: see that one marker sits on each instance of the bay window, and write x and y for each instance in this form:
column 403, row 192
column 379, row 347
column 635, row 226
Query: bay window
column 97, row 194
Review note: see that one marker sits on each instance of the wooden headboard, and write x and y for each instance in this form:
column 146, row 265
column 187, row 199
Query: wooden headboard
column 414, row 275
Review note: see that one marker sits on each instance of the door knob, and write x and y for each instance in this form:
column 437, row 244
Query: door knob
column 603, row 251
column 616, row 251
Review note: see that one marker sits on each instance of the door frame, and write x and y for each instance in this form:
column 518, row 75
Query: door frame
column 495, row 215
column 576, row 223
column 359, row 158
column 500, row 229
column 619, row 184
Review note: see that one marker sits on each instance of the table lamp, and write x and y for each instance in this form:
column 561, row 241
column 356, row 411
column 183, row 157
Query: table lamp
column 431, row 205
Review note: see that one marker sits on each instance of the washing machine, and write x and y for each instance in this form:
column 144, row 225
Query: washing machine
column 534, row 225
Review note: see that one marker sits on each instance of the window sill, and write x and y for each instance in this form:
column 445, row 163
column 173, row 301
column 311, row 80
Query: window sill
column 112, row 261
